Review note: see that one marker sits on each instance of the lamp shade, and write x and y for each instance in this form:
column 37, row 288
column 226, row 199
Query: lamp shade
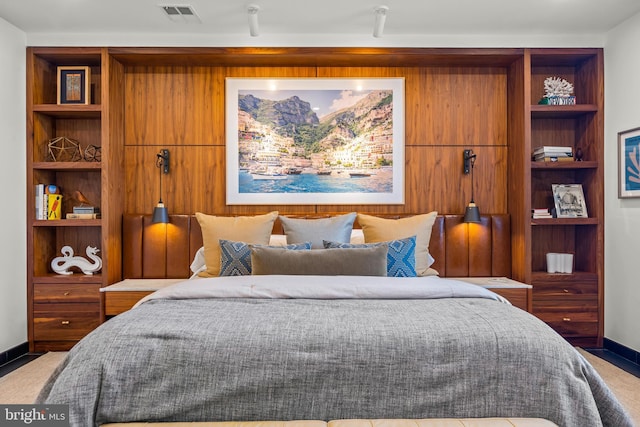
column 472, row 213
column 160, row 214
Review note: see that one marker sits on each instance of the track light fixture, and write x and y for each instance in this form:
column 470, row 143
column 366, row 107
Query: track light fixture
column 252, row 11
column 381, row 17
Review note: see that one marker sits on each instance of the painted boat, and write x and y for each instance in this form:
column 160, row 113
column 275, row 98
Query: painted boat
column 269, row 175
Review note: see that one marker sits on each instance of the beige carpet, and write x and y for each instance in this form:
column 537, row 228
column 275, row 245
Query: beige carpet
column 625, row 386
column 23, row 384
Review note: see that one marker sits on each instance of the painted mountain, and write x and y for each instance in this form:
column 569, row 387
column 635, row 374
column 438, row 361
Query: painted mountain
column 294, row 118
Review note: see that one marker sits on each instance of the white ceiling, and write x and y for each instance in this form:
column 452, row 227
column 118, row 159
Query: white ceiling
column 291, row 18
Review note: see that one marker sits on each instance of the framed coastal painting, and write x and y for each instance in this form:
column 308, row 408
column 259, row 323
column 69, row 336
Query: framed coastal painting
column 629, row 163
column 314, row 141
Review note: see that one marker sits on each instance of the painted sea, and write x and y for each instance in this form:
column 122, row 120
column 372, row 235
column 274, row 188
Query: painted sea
column 378, row 181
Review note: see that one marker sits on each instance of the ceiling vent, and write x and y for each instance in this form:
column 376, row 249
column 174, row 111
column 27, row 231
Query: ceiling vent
column 181, row 14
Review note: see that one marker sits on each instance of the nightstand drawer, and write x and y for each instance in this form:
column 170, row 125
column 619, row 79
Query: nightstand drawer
column 517, row 297
column 121, row 296
column 571, row 325
column 560, row 289
column 118, row 302
column 579, row 320
column 64, row 322
column 66, row 292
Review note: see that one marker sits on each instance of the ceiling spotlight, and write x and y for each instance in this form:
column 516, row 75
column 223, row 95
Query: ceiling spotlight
column 381, row 16
column 252, row 10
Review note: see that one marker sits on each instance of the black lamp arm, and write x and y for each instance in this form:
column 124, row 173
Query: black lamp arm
column 162, row 160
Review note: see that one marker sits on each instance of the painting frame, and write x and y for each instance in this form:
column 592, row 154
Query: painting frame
column 74, row 85
column 569, row 201
column 317, row 88
column 629, row 163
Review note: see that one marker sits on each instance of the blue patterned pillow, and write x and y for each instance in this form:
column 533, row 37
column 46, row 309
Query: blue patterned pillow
column 401, row 256
column 235, row 257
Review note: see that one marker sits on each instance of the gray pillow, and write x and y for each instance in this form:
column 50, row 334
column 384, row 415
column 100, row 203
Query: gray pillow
column 370, row 261
column 335, row 229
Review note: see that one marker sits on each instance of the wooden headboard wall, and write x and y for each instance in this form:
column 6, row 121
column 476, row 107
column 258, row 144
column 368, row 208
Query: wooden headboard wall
column 460, row 250
column 177, row 101
column 448, row 108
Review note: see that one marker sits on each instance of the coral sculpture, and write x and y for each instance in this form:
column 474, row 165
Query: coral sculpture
column 558, row 91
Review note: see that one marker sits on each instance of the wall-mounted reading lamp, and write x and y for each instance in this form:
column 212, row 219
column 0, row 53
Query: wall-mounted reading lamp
column 472, row 213
column 160, row 213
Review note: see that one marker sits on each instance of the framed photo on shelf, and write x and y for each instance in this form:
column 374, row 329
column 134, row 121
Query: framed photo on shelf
column 74, row 85
column 569, row 201
column 629, row 163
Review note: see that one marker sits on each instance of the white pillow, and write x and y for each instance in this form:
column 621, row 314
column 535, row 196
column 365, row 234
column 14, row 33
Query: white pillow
column 357, row 236
column 278, row 240
column 198, row 264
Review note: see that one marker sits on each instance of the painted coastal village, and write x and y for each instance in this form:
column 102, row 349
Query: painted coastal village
column 285, row 140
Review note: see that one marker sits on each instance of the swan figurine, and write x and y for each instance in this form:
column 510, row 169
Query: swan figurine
column 62, row 264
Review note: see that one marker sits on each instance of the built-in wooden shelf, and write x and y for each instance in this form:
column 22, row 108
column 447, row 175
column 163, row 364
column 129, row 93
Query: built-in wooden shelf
column 565, row 221
column 69, row 279
column 562, row 111
column 67, row 223
column 576, row 276
column 565, row 165
column 90, row 111
column 75, row 166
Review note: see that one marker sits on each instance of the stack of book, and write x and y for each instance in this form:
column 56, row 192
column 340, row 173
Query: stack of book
column 48, row 201
column 84, row 212
column 553, row 154
column 540, row 213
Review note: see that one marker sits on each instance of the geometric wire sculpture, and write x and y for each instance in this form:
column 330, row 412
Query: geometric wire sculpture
column 63, row 149
column 93, row 153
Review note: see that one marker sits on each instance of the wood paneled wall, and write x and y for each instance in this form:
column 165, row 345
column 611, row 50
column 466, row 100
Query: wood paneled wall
column 447, row 109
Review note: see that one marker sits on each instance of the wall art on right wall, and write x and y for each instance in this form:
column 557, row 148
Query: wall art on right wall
column 629, row 163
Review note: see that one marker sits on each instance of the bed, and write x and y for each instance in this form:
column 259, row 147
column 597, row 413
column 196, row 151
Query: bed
column 327, row 347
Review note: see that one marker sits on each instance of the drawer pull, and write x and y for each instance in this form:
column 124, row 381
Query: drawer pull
column 566, row 291
column 566, row 319
column 65, row 322
column 66, row 294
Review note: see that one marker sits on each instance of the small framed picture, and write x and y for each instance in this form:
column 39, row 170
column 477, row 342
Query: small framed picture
column 74, row 85
column 629, row 163
column 569, row 201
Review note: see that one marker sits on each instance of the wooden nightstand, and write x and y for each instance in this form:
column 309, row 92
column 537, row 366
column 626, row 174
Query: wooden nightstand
column 121, row 296
column 519, row 294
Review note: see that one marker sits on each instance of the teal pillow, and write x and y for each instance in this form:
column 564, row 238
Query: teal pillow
column 401, row 256
column 235, row 257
